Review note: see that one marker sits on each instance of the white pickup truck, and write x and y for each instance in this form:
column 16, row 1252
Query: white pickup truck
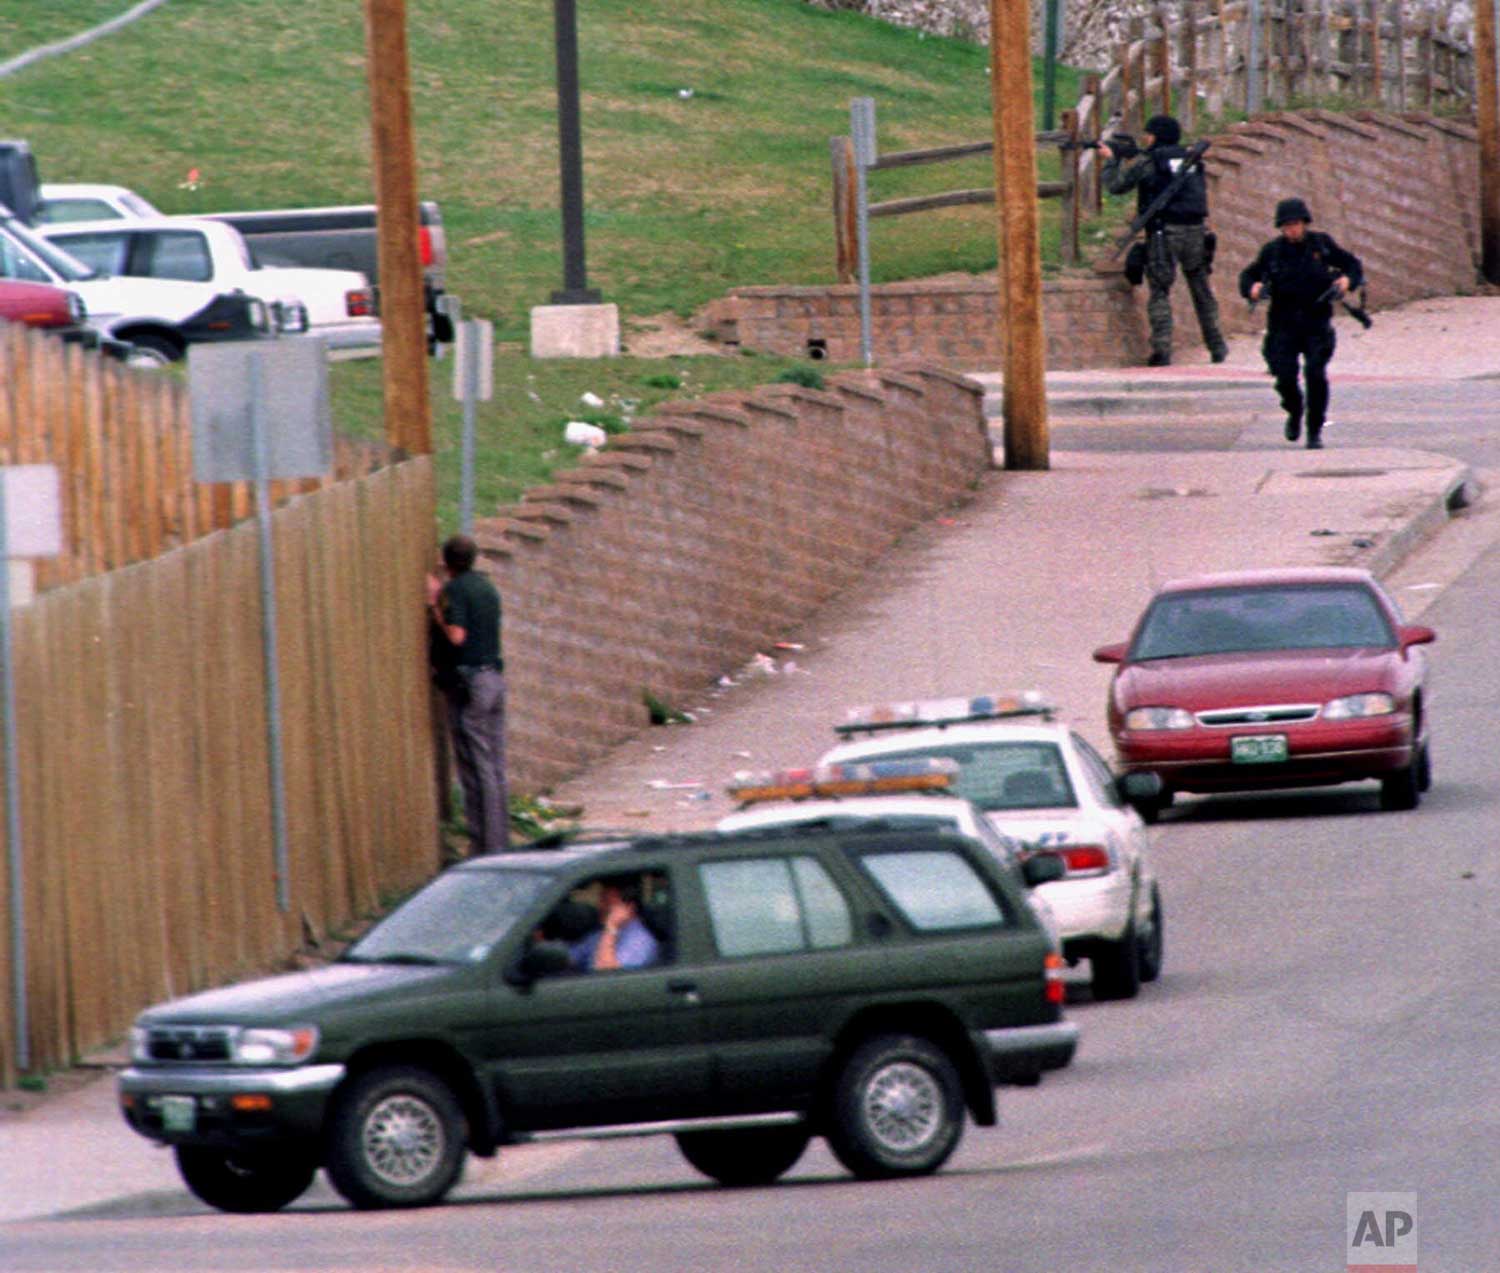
column 338, row 305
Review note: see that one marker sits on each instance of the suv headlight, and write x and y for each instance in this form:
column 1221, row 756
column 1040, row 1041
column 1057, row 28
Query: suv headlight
column 1159, row 718
column 289, row 1046
column 1357, row 705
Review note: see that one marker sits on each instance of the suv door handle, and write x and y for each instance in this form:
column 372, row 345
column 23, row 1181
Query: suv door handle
column 687, row 989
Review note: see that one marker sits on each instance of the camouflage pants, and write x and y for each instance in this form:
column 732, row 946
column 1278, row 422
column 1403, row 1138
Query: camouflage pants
column 1170, row 247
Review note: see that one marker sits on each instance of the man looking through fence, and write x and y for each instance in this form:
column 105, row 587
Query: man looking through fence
column 465, row 612
column 1175, row 235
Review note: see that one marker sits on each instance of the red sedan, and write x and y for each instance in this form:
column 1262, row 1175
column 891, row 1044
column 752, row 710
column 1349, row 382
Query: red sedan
column 1252, row 680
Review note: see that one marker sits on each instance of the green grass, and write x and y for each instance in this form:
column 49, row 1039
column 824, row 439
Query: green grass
column 687, row 196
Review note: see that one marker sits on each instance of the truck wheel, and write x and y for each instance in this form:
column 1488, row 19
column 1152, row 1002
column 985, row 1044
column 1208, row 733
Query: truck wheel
column 396, row 1139
column 1117, row 966
column 898, row 1109
column 1152, row 944
column 245, row 1182
column 744, row 1156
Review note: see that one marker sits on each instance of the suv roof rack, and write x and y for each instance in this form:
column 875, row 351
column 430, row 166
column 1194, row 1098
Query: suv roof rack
column 940, row 712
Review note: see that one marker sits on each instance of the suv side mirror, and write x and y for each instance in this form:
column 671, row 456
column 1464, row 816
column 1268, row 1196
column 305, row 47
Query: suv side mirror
column 1138, row 788
column 545, row 959
column 1042, row 868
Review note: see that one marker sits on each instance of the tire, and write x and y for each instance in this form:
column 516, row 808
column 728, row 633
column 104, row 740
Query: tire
column 397, row 1139
column 1402, row 789
column 1152, row 946
column 897, row 1109
column 1424, row 770
column 245, row 1182
column 148, row 349
column 747, row 1156
column 1117, row 967
column 1151, row 810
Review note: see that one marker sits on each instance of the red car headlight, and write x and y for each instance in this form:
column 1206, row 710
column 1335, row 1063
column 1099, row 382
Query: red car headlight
column 1356, row 706
column 1159, row 718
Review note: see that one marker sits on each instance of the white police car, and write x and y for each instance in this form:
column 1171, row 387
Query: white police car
column 900, row 794
column 1037, row 780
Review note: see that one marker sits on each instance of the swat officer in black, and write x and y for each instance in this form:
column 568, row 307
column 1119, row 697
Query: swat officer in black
column 1175, row 235
column 1304, row 271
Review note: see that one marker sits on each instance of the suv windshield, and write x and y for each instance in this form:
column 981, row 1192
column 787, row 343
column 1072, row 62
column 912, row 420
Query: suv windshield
column 1227, row 620
column 1003, row 775
column 455, row 919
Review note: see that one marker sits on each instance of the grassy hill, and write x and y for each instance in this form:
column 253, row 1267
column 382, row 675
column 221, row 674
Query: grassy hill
column 688, row 194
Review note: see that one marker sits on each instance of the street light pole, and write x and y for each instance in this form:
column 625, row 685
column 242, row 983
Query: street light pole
column 576, row 290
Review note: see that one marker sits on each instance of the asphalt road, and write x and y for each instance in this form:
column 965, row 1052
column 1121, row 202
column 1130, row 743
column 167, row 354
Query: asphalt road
column 1325, row 1024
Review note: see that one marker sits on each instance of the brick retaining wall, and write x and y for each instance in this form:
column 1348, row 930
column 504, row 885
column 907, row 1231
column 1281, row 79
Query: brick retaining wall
column 689, row 544
column 1400, row 191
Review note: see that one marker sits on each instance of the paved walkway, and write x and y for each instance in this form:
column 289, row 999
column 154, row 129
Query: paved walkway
column 1013, row 589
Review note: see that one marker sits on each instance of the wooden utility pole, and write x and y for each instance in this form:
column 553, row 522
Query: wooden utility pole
column 1024, row 401
column 1486, row 87
column 408, row 412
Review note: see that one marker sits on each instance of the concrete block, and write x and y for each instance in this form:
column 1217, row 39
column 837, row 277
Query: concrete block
column 575, row 331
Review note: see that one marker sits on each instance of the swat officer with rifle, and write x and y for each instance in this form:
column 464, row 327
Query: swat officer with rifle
column 1304, row 272
column 1173, row 201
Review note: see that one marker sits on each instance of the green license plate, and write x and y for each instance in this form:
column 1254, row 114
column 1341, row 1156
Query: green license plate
column 1257, row 749
column 178, row 1113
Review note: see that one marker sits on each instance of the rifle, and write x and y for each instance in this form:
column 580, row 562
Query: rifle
column 1357, row 312
column 1190, row 161
column 1123, row 144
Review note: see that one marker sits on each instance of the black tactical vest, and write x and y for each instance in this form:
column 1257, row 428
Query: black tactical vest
column 1189, row 202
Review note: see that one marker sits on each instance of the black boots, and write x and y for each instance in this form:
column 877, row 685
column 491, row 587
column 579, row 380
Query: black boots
column 1159, row 359
column 1293, row 428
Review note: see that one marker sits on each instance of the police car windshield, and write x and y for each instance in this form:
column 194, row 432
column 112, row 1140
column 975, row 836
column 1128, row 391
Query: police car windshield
column 1004, row 775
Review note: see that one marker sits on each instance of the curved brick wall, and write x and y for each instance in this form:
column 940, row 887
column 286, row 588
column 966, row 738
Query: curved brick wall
column 687, row 545
column 1400, row 191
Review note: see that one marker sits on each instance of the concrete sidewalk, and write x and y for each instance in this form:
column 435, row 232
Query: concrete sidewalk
column 1014, row 589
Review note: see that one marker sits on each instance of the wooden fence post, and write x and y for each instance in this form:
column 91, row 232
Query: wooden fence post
column 841, row 155
column 1162, row 59
column 1187, row 54
column 1092, row 194
column 1128, row 112
column 1067, row 232
column 1400, row 18
column 1377, row 86
column 1218, row 84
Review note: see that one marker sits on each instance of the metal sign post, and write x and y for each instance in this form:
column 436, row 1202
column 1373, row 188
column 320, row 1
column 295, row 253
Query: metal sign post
column 862, row 133
column 260, row 412
column 30, row 526
column 473, row 381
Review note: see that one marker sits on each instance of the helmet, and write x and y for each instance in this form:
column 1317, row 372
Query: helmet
column 1291, row 210
column 1166, row 130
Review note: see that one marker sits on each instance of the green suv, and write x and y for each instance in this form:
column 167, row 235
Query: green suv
column 742, row 992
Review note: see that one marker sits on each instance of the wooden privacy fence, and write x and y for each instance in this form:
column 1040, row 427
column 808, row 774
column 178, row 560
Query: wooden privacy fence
column 122, row 441
column 1196, row 59
column 145, row 812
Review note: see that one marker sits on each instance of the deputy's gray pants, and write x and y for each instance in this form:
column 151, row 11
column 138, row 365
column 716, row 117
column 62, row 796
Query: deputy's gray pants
column 1170, row 247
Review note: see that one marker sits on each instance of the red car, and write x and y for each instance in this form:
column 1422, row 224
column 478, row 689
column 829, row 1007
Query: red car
column 53, row 309
column 1253, row 680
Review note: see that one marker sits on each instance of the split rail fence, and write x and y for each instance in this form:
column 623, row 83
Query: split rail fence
column 1205, row 61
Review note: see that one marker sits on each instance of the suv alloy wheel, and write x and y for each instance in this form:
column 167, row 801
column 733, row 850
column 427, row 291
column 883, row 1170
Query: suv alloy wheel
column 397, row 1139
column 898, row 1108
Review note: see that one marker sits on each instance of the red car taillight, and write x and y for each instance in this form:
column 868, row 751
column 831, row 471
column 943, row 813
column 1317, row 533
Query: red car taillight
column 359, row 303
column 424, row 244
column 1084, row 859
column 1052, row 974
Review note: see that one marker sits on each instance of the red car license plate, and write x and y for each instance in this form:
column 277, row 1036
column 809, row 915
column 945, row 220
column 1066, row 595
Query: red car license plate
column 1257, row 749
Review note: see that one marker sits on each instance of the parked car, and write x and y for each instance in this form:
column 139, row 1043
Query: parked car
column 1253, row 680
column 1041, row 782
column 158, row 319
column 79, row 201
column 56, row 310
column 871, row 987
column 338, row 305
column 910, row 795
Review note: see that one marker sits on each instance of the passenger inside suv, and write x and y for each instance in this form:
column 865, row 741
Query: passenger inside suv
column 622, row 937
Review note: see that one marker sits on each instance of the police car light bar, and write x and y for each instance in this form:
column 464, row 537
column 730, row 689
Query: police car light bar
column 921, row 713
column 868, row 778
